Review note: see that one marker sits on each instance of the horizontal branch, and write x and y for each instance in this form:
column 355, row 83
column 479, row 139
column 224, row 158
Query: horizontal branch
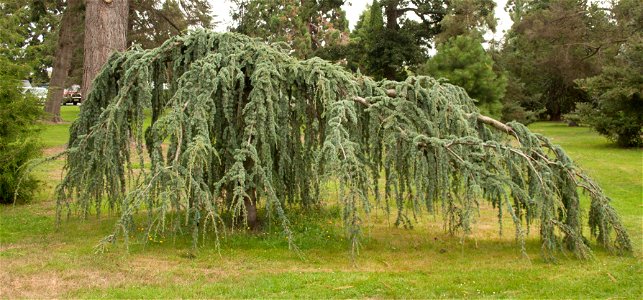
column 494, row 123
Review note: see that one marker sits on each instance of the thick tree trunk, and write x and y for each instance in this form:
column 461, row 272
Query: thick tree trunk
column 106, row 23
column 67, row 42
column 555, row 113
column 391, row 12
column 251, row 208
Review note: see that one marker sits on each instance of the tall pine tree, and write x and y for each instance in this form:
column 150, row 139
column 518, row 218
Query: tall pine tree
column 464, row 62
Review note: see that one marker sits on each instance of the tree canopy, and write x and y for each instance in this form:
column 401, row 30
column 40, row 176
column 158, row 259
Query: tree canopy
column 550, row 45
column 27, row 29
column 305, row 26
column 412, row 26
column 616, row 106
column 237, row 123
column 152, row 22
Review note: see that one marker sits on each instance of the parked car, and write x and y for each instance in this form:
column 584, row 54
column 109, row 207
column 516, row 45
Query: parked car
column 72, row 95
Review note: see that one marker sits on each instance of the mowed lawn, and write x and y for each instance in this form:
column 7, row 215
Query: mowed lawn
column 40, row 260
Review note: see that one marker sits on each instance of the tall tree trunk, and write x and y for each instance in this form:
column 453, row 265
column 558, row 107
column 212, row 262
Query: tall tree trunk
column 106, row 23
column 67, row 43
column 391, row 12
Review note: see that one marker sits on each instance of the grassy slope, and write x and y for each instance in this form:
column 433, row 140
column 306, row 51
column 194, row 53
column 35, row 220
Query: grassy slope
column 39, row 261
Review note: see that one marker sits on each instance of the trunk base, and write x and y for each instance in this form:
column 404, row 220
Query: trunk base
column 251, row 213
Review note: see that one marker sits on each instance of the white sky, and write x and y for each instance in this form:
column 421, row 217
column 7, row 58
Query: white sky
column 354, row 8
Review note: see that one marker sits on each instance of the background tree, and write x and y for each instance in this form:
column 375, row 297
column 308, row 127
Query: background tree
column 150, row 23
column 41, row 38
column 368, row 43
column 616, row 109
column 306, row 26
column 70, row 36
column 35, row 23
column 435, row 17
column 464, row 62
column 515, row 97
column 319, row 28
column 552, row 44
column 465, row 17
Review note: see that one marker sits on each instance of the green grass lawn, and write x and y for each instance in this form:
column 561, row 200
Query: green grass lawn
column 55, row 135
column 38, row 260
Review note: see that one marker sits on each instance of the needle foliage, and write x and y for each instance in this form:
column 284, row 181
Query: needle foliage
column 234, row 118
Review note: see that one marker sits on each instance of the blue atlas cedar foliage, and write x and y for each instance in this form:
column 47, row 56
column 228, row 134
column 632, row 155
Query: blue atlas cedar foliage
column 233, row 117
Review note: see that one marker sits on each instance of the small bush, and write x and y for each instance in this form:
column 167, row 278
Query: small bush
column 624, row 126
column 19, row 142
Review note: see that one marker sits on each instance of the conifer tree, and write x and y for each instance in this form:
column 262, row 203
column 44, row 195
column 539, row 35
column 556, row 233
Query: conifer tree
column 464, row 62
column 29, row 32
column 551, row 45
column 237, row 123
column 370, row 44
column 616, row 109
column 413, row 26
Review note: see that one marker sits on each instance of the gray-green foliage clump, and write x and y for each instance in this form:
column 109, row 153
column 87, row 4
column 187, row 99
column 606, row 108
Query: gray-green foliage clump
column 237, row 122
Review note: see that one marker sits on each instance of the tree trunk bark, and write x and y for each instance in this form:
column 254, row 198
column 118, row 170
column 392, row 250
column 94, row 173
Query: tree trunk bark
column 251, row 208
column 106, row 23
column 67, row 43
column 390, row 10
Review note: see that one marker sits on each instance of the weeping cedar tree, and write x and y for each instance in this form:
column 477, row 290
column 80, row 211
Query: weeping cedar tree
column 237, row 123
